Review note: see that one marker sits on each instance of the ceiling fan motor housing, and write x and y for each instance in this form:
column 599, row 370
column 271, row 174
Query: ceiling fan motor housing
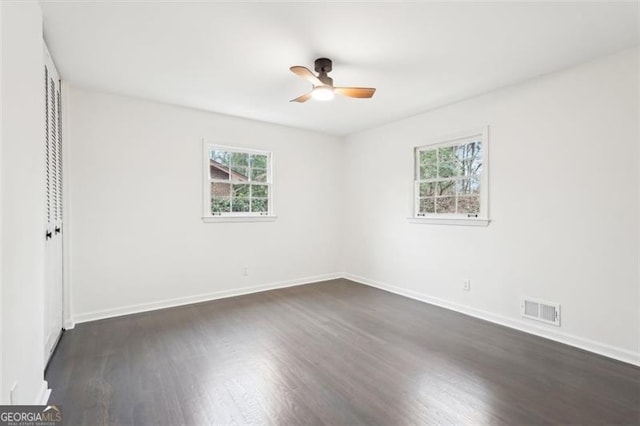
column 323, row 65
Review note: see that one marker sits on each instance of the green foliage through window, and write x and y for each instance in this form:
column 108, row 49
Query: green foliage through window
column 448, row 178
column 240, row 182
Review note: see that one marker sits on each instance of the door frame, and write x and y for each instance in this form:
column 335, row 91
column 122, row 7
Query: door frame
column 67, row 317
column 49, row 351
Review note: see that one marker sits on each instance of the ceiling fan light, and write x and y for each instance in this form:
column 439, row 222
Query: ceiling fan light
column 322, row 93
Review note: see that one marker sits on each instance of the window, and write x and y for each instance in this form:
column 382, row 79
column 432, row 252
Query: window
column 237, row 183
column 450, row 181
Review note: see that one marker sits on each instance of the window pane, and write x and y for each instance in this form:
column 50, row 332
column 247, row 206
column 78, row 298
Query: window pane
column 475, row 149
column 471, row 167
column 428, row 157
column 461, row 152
column 447, row 154
column 239, row 159
column 469, row 186
column 428, row 172
column 446, row 205
column 448, row 169
column 218, row 171
column 446, row 187
column 469, row 205
column 241, row 190
column 221, row 157
column 240, row 204
column 471, row 156
column 476, row 166
column 220, row 189
column 258, row 175
column 220, row 205
column 261, row 191
column 427, row 205
column 428, row 166
column 427, row 189
column 240, row 173
column 259, row 205
column 259, row 161
column 218, row 164
column 470, row 150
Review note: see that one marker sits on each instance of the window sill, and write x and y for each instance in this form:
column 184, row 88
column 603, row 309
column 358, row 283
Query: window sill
column 449, row 221
column 230, row 219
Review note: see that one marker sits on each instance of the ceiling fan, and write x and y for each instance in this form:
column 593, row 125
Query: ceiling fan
column 323, row 89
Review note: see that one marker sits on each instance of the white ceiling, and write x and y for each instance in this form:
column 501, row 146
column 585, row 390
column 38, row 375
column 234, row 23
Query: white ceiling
column 234, row 58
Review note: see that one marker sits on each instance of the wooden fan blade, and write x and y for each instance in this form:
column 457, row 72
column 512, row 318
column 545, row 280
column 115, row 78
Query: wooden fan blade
column 303, row 98
column 307, row 75
column 355, row 92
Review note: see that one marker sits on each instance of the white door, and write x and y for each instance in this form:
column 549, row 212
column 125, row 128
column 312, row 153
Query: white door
column 54, row 228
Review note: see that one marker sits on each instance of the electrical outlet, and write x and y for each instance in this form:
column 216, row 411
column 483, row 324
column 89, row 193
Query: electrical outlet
column 467, row 285
column 13, row 394
column 244, row 271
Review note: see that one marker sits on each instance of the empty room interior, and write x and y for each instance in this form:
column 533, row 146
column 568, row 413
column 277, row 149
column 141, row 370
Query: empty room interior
column 330, row 213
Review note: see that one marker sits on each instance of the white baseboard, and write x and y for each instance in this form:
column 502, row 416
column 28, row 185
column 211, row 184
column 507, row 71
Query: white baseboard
column 558, row 336
column 179, row 301
column 43, row 394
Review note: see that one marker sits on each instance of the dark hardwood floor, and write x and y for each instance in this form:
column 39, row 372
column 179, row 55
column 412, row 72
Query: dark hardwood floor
column 335, row 353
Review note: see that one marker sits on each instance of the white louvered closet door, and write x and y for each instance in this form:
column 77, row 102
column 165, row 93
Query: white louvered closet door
column 54, row 218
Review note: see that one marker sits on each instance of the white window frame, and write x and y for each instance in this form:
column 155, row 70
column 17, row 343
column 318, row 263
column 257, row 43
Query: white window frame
column 207, row 216
column 458, row 138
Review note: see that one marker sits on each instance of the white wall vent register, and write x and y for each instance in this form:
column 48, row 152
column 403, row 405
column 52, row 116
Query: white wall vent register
column 541, row 311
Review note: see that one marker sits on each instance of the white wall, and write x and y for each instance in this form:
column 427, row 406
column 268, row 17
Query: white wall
column 22, row 222
column 563, row 203
column 135, row 185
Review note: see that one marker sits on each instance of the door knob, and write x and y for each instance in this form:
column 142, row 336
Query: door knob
column 48, row 235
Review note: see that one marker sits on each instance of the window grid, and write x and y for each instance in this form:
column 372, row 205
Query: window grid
column 245, row 188
column 462, row 171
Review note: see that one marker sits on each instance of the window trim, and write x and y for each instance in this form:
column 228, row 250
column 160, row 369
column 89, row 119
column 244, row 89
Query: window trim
column 230, row 217
column 452, row 218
